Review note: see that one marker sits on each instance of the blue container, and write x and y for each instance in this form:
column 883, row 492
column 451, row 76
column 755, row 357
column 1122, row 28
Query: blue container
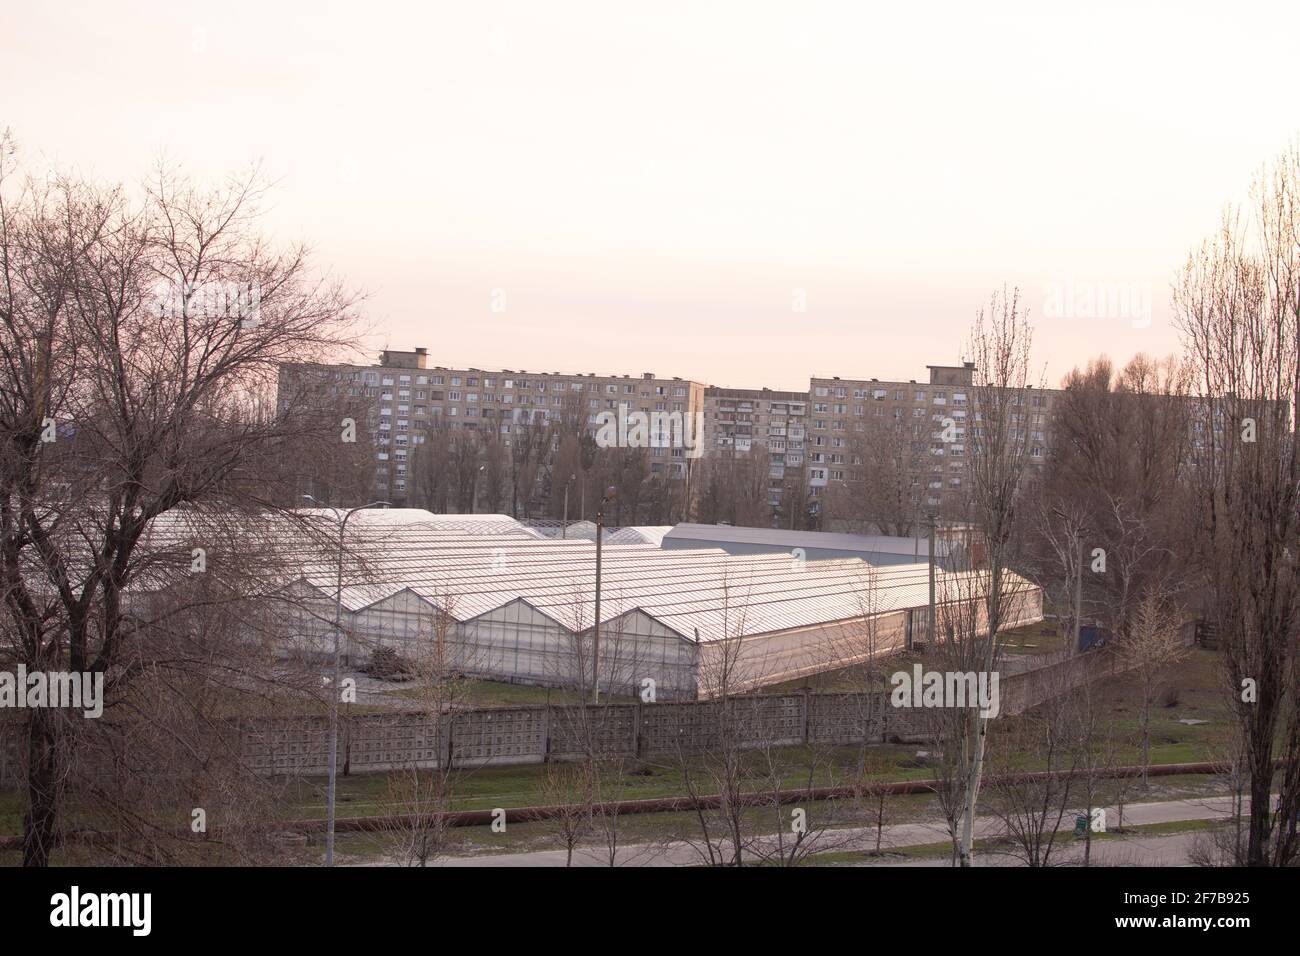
column 1090, row 636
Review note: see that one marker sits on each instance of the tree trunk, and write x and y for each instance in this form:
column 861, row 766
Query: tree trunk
column 44, row 784
column 980, row 729
column 1261, row 804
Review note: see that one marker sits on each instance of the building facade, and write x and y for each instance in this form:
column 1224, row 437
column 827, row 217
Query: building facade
column 922, row 432
column 405, row 397
column 738, row 420
column 844, row 436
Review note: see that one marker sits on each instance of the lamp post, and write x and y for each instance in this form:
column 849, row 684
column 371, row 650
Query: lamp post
column 607, row 497
column 473, row 492
column 564, row 532
column 334, row 681
column 916, row 536
column 930, row 636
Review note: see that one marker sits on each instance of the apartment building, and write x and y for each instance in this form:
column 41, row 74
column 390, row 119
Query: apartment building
column 406, row 397
column 737, row 420
column 823, row 439
column 926, row 426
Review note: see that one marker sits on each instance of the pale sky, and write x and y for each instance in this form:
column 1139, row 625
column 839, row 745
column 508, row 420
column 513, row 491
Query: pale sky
column 654, row 186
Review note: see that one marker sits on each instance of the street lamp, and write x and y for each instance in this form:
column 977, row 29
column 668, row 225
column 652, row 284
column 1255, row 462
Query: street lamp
column 930, row 630
column 564, row 532
column 605, row 499
column 334, row 681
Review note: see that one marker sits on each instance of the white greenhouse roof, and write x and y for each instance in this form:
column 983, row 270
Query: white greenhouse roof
column 471, row 565
column 778, row 539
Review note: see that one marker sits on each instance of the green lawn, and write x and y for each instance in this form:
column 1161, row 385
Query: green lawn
column 523, row 785
column 1042, row 638
column 1200, row 696
column 488, row 693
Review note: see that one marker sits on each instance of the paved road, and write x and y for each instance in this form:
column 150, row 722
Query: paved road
column 1169, row 850
column 1131, row 849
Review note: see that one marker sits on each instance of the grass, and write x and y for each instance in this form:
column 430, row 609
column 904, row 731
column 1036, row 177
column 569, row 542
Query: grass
column 524, row 785
column 486, row 693
column 1199, row 696
column 653, row 828
column 1160, row 829
column 1045, row 637
column 847, row 680
column 1032, row 639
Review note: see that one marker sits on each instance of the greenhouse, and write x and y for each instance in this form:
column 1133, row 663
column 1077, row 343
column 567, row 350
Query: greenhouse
column 487, row 597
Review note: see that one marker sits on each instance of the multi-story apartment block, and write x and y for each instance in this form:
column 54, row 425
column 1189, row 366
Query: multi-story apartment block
column 924, row 427
column 824, row 440
column 406, row 398
column 737, row 420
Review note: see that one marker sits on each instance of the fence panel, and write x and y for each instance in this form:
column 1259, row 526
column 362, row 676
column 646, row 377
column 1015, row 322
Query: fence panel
column 533, row 734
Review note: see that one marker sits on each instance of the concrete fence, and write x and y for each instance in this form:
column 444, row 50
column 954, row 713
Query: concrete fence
column 536, row 734
column 529, row 735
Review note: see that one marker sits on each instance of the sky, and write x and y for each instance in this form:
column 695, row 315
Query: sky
column 741, row 193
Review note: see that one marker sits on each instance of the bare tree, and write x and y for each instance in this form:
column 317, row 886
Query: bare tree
column 570, row 789
column 465, row 458
column 1150, row 646
column 591, row 739
column 801, row 828
column 793, row 509
column 1111, row 495
column 1099, row 745
column 1227, row 845
column 431, row 470
column 529, row 446
column 878, row 495
column 719, row 770
column 871, row 795
column 314, row 461
column 631, row 468
column 731, row 488
column 1237, row 304
column 131, row 387
column 1000, row 346
column 1032, row 806
column 564, row 470
column 496, row 479
column 423, row 796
